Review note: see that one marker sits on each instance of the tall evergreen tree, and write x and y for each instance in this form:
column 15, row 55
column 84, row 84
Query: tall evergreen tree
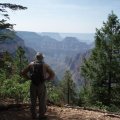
column 68, row 88
column 8, row 64
column 20, row 59
column 103, row 67
column 6, row 28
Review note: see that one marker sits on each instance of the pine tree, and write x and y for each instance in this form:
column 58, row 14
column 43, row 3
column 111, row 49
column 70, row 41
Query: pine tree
column 20, row 59
column 8, row 60
column 6, row 28
column 103, row 67
column 68, row 88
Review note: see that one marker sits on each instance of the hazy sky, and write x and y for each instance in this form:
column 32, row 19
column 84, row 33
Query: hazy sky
column 77, row 16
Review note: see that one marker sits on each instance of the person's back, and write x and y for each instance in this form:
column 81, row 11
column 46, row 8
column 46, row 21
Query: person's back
column 36, row 74
column 39, row 73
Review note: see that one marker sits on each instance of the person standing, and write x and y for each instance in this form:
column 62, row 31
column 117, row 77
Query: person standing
column 39, row 72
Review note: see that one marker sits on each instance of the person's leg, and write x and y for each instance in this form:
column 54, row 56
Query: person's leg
column 33, row 98
column 42, row 99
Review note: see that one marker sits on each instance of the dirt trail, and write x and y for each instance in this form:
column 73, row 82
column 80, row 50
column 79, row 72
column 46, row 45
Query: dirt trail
column 57, row 113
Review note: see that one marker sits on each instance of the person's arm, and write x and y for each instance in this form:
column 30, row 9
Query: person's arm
column 50, row 72
column 24, row 73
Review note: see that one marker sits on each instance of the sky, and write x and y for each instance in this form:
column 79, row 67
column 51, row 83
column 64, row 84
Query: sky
column 66, row 16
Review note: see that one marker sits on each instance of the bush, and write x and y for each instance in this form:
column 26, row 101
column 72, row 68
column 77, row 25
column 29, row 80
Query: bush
column 54, row 94
column 84, row 97
column 12, row 88
column 113, row 108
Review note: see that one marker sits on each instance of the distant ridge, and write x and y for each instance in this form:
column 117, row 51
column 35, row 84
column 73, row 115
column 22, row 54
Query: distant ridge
column 12, row 45
column 83, row 37
column 56, row 51
column 54, row 35
column 46, row 43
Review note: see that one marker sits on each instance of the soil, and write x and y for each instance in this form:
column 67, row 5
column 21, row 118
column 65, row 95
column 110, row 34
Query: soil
column 58, row 113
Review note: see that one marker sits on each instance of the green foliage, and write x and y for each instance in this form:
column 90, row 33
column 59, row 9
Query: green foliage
column 54, row 94
column 85, row 97
column 2, row 77
column 113, row 108
column 11, row 88
column 68, row 89
column 6, row 29
column 99, row 105
column 12, row 85
column 102, row 69
column 20, row 59
column 60, row 93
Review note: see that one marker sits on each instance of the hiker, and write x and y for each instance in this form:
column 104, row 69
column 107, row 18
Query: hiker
column 38, row 72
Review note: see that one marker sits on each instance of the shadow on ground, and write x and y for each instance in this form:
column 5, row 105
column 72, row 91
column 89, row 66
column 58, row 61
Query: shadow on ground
column 24, row 115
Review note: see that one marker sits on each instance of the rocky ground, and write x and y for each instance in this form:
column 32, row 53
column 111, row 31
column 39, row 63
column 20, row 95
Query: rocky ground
column 58, row 113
